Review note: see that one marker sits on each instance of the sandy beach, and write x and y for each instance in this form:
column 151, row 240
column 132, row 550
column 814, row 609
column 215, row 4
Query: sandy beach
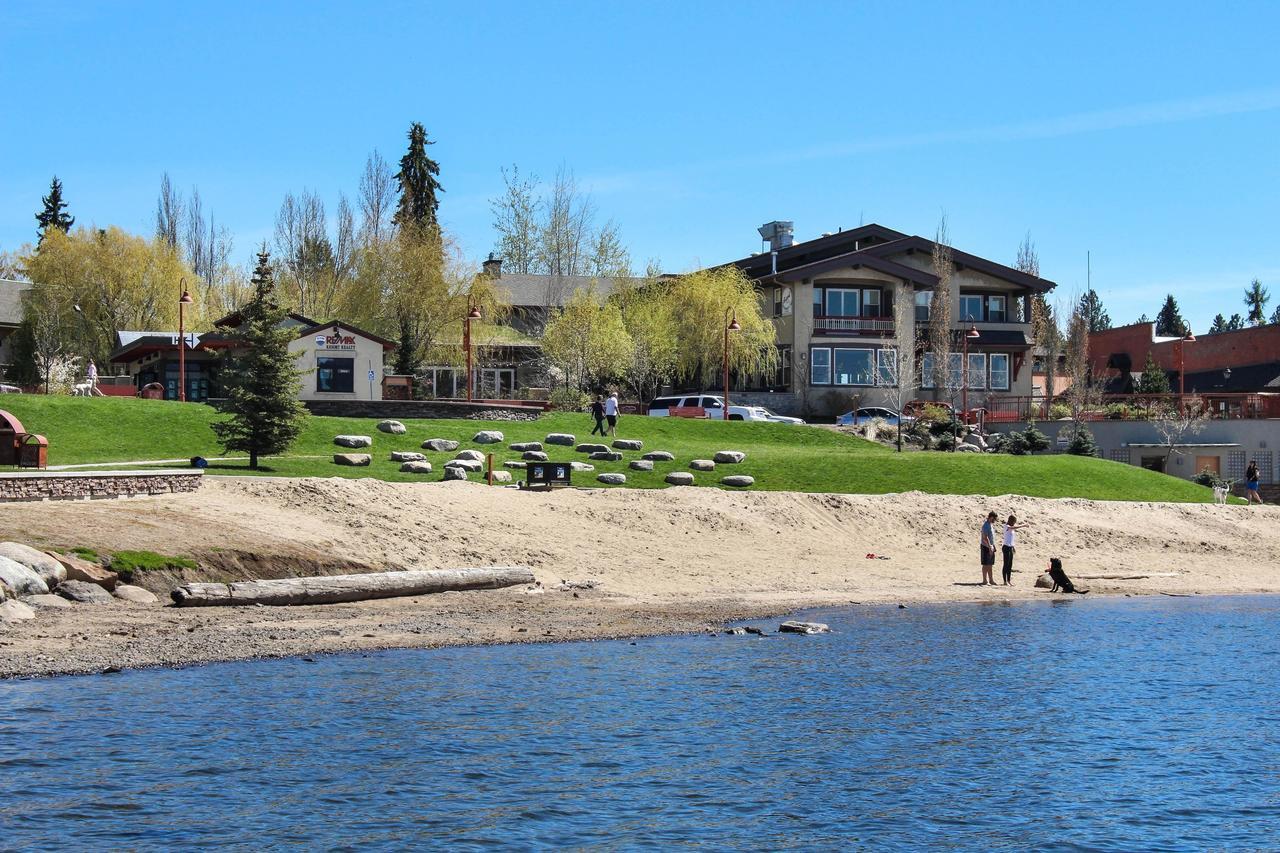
column 636, row 562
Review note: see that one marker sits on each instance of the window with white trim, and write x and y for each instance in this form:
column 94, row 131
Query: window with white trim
column 886, row 367
column 997, row 309
column 977, row 370
column 971, row 308
column 955, row 368
column 926, row 370
column 999, row 367
column 820, row 366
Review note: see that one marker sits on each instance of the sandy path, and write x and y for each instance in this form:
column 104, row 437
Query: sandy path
column 672, row 560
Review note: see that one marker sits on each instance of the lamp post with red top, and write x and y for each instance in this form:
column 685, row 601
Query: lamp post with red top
column 971, row 335
column 730, row 326
column 183, row 302
column 1182, row 364
column 472, row 314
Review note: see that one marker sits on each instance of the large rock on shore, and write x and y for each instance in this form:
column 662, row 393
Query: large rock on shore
column 591, row 448
column 406, row 456
column 391, row 427
column 628, row 444
column 79, row 569
column 611, row 479
column 135, row 594
column 702, row 465
column 356, row 459
column 20, row 579
column 526, row 446
column 44, row 565
column 15, row 611
column 48, row 601
column 740, row 481
column 563, row 439
column 1044, row 582
column 85, row 593
column 679, row 478
column 418, row 467
column 582, row 467
column 440, row 445
column 729, row 456
column 472, row 455
column 659, row 456
column 516, row 464
column 502, row 476
column 353, row 441
column 488, row 436
column 793, row 627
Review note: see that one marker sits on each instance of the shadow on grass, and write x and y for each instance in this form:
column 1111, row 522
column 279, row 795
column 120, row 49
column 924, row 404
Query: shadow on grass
column 227, row 466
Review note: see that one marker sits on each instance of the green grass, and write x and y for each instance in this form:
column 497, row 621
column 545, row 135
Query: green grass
column 779, row 456
column 128, row 563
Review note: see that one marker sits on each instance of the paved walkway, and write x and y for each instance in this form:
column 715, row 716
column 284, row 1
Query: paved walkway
column 145, row 462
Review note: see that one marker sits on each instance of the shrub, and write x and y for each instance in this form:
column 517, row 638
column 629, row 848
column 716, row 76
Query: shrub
column 1082, row 443
column 946, row 441
column 1034, row 439
column 1015, row 444
column 1058, row 411
column 569, row 400
column 1208, row 477
column 1119, row 411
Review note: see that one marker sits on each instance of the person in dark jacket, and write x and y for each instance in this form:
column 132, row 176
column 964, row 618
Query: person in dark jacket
column 1060, row 579
column 597, row 412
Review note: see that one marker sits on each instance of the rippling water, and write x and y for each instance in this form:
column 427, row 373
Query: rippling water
column 1080, row 724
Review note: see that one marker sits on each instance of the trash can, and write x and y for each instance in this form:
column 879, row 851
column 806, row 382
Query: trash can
column 33, row 452
column 544, row 475
column 152, row 391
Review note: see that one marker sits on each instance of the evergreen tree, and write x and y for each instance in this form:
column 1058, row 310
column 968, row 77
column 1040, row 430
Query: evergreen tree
column 405, row 360
column 1091, row 307
column 1256, row 298
column 1143, row 319
column 1082, row 442
column 262, row 384
column 418, row 184
column 1235, row 324
column 1275, row 317
column 53, row 215
column 1169, row 322
column 1154, row 380
column 1219, row 325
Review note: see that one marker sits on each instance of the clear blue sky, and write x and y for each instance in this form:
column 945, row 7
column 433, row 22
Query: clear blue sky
column 1147, row 133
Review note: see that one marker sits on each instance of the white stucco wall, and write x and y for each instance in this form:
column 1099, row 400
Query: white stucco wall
column 365, row 353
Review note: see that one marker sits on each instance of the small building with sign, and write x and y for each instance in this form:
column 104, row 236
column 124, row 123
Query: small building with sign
column 340, row 361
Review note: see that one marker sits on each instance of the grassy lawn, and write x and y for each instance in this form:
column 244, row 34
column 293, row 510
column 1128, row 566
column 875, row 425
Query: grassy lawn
column 779, row 456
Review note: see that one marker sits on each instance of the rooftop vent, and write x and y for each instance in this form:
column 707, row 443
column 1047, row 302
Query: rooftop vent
column 779, row 234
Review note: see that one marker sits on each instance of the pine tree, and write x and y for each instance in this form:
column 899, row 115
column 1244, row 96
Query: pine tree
column 53, row 216
column 1143, row 318
column 1219, row 325
column 1082, row 442
column 418, row 184
column 1256, row 298
column 1169, row 322
column 1235, row 324
column 1154, row 380
column 261, row 384
column 1275, row 317
column 1097, row 316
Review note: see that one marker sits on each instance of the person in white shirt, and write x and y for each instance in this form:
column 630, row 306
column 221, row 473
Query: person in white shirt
column 611, row 413
column 1010, row 545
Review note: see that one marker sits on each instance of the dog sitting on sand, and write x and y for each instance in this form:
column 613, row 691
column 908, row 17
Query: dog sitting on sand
column 1060, row 579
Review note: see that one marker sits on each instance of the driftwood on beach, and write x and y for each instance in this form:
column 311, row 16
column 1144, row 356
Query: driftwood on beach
column 339, row 588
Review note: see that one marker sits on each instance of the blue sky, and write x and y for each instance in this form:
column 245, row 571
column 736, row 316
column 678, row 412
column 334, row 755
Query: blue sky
column 1145, row 133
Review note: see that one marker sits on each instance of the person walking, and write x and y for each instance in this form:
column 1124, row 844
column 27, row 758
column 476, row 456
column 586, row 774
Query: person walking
column 987, row 550
column 1009, row 546
column 1251, row 480
column 91, row 374
column 597, row 412
column 611, row 413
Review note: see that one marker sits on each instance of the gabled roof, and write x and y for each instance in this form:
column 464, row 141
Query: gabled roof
column 964, row 259
column 340, row 324
column 819, row 249
column 855, row 260
column 550, row 291
column 235, row 319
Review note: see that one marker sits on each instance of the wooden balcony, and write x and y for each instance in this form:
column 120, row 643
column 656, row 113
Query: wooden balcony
column 879, row 326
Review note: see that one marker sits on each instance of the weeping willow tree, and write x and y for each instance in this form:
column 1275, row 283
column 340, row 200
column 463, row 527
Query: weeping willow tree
column 702, row 304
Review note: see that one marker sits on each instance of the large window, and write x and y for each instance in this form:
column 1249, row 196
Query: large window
column 335, row 375
column 820, row 366
column 955, row 370
column 999, row 363
column 887, row 367
column 977, row 370
column 970, row 308
column 846, row 302
column 783, row 377
column 842, row 366
column 997, row 309
column 984, row 308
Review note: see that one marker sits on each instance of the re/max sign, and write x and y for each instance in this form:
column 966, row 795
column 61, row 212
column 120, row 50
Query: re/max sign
column 335, row 342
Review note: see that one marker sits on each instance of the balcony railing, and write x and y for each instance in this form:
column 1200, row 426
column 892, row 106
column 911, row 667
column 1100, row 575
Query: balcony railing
column 825, row 325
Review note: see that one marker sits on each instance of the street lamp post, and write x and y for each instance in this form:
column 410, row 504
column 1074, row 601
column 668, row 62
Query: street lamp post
column 971, row 335
column 730, row 326
column 472, row 314
column 1182, row 363
column 183, row 302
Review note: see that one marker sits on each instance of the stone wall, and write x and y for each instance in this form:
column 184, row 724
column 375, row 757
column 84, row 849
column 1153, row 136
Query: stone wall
column 413, row 409
column 84, row 485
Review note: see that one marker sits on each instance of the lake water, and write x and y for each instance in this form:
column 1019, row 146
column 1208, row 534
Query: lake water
column 1110, row 724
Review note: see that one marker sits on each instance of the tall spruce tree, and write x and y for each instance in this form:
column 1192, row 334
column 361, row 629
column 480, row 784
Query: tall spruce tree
column 1096, row 316
column 1153, row 380
column 1275, row 317
column 1169, row 322
column 1219, row 325
column 1235, row 324
column 53, row 215
column 261, row 384
column 1256, row 298
column 418, row 184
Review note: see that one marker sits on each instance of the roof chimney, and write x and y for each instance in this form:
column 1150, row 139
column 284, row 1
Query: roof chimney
column 492, row 267
column 779, row 233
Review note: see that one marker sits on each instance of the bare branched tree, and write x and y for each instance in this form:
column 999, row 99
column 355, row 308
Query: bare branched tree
column 377, row 200
column 899, row 360
column 168, row 212
column 564, row 248
column 515, row 218
column 303, row 249
column 940, row 333
column 1175, row 422
column 1082, row 397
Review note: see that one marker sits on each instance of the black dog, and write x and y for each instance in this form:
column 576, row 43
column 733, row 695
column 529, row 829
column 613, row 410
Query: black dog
column 1060, row 579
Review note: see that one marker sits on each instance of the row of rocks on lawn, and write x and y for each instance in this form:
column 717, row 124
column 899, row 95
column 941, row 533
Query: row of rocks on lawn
column 684, row 478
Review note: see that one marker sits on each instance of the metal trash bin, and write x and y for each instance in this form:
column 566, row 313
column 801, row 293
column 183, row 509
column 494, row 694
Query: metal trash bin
column 152, row 391
column 544, row 475
column 33, row 451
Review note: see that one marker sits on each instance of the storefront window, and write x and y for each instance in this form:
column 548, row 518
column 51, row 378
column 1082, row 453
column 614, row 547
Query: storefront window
column 335, row 375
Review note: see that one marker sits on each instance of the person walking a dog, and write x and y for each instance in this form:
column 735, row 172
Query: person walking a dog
column 1251, row 480
column 987, row 549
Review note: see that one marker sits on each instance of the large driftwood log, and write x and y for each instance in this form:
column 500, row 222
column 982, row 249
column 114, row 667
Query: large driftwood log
column 338, row 588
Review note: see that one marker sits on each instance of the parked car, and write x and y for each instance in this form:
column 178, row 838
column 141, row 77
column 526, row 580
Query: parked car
column 713, row 406
column 772, row 416
column 867, row 414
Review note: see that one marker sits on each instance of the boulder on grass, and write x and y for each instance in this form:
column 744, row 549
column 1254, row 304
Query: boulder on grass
column 679, row 478
column 85, row 593
column 355, row 459
column 740, row 481
column 591, row 448
column 135, row 594
column 82, row 570
column 641, row 465
column 473, row 455
column 628, row 444
column 581, row 466
column 464, row 464
column 48, row 601
column 659, row 456
column 516, row 464
column 49, row 569
column 406, row 456
column 15, row 611
column 502, row 476
column 702, row 465
column 1044, row 582
column 730, row 456
column 605, row 456
column 967, row 448
column 440, row 445
column 391, row 427
column 488, row 436
column 563, row 439
column 419, row 467
column 353, row 441
column 793, row 627
column 534, row 456
column 525, row 446
column 20, row 579
column 453, row 472
column 612, row 479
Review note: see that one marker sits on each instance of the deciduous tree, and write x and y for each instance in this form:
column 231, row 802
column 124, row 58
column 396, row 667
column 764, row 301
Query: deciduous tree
column 588, row 341
column 704, row 302
column 940, row 332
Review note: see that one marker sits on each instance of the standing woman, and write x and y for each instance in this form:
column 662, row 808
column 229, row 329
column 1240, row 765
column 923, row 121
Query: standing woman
column 1251, row 482
column 1007, row 549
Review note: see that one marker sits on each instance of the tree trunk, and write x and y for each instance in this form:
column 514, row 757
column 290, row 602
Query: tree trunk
column 339, row 588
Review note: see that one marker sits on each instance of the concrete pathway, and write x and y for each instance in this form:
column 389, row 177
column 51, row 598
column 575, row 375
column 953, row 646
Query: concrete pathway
column 145, row 462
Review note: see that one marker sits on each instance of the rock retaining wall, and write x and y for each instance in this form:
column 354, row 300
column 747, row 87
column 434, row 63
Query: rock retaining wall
column 85, row 485
column 407, row 409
